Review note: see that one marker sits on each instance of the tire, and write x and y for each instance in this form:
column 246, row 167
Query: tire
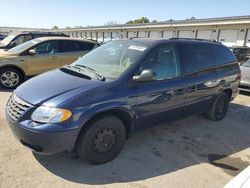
column 102, row 140
column 219, row 108
column 10, row 78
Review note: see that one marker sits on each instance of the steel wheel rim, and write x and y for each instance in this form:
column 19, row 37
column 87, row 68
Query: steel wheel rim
column 220, row 107
column 104, row 141
column 9, row 79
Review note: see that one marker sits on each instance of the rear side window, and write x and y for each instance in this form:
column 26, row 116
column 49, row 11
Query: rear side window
column 87, row 46
column 223, row 55
column 74, row 46
column 196, row 57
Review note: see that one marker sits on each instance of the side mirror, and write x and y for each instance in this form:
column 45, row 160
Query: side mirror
column 146, row 76
column 32, row 52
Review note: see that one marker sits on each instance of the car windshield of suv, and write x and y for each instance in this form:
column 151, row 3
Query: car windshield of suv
column 22, row 47
column 7, row 40
column 246, row 64
column 113, row 58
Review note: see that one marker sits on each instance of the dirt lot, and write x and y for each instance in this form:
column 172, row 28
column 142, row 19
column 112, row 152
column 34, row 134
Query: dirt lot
column 192, row 152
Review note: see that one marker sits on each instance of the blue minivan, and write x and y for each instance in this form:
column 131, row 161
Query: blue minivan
column 91, row 106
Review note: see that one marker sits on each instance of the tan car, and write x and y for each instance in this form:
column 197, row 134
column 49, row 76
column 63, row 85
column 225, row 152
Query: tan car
column 39, row 55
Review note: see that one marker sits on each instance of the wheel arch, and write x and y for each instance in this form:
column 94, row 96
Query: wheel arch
column 15, row 67
column 123, row 114
column 229, row 92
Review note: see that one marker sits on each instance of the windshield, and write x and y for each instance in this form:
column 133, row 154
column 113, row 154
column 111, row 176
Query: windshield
column 7, row 40
column 113, row 58
column 246, row 64
column 22, row 47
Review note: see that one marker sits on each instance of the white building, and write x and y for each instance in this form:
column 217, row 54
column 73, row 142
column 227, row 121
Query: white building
column 232, row 31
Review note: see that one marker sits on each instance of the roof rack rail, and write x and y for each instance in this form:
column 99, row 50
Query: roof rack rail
column 41, row 32
column 194, row 39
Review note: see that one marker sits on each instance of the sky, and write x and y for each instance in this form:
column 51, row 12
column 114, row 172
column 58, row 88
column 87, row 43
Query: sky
column 71, row 13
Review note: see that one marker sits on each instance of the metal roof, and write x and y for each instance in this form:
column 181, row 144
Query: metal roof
column 232, row 19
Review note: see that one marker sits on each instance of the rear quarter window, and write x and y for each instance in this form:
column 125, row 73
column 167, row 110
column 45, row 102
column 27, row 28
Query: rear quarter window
column 223, row 55
column 196, row 57
column 86, row 46
column 75, row 46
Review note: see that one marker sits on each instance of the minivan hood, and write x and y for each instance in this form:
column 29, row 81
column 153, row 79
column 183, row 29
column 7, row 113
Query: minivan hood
column 52, row 84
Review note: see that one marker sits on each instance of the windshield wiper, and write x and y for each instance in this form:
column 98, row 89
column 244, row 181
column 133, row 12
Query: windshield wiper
column 100, row 77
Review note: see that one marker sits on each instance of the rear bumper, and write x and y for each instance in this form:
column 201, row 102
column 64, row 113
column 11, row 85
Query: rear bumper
column 244, row 86
column 43, row 142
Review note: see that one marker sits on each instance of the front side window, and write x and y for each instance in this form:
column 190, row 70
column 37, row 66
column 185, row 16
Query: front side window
column 113, row 58
column 164, row 62
column 21, row 39
column 48, row 47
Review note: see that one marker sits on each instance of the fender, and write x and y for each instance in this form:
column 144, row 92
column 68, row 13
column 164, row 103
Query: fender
column 98, row 109
column 16, row 67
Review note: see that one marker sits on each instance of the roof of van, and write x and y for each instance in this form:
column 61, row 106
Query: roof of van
column 174, row 40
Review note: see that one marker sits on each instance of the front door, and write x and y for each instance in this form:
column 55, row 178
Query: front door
column 45, row 58
column 163, row 99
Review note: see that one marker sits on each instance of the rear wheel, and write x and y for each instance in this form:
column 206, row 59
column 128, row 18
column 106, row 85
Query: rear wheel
column 102, row 140
column 219, row 108
column 10, row 78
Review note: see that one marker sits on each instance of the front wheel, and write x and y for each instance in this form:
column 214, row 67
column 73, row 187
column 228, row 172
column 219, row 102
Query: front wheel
column 102, row 140
column 219, row 108
column 10, row 78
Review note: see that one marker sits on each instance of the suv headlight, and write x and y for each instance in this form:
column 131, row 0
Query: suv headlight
column 44, row 114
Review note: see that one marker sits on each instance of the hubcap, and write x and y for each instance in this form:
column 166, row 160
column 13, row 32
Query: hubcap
column 9, row 79
column 104, row 141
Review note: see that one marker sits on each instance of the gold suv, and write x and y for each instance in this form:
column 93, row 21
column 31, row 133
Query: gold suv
column 39, row 55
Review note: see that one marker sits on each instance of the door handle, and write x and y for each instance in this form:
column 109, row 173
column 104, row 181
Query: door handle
column 179, row 91
column 192, row 89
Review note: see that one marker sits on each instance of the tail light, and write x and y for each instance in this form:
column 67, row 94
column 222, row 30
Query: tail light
column 239, row 75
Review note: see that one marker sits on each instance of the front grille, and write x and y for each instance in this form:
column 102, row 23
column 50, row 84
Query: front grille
column 16, row 107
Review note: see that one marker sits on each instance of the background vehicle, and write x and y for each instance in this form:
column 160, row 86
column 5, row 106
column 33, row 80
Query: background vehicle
column 92, row 105
column 15, row 39
column 241, row 53
column 245, row 79
column 2, row 37
column 39, row 55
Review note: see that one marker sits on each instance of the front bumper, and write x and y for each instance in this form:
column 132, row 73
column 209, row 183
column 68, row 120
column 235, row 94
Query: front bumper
column 41, row 141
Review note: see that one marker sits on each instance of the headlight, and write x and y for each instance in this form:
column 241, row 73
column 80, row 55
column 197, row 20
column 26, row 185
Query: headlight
column 45, row 114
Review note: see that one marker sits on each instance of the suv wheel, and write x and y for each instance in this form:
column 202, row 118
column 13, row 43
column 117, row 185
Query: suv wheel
column 102, row 141
column 219, row 108
column 10, row 78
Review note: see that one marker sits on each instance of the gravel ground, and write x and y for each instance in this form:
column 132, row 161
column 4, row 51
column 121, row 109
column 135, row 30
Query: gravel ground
column 192, row 152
